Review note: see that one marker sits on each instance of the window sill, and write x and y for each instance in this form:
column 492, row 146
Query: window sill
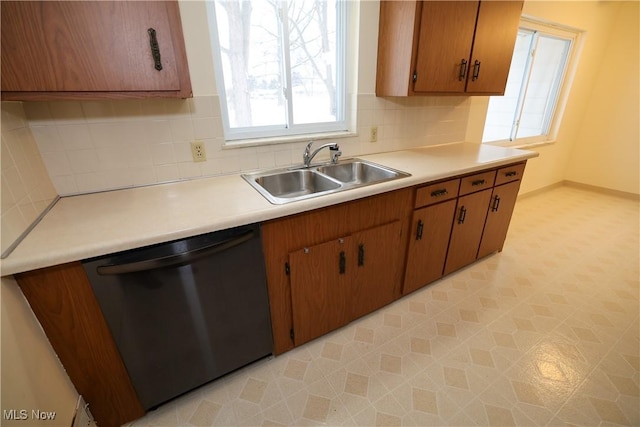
column 257, row 142
column 522, row 145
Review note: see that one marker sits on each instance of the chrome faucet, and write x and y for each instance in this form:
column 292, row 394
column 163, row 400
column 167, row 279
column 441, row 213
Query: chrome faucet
column 334, row 149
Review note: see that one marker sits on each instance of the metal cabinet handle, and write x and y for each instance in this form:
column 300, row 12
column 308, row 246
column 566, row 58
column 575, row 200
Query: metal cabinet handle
column 463, row 70
column 496, row 204
column 478, row 182
column 511, row 173
column 476, row 71
column 463, row 215
column 438, row 193
column 155, row 48
column 361, row 255
column 342, row 263
column 419, row 230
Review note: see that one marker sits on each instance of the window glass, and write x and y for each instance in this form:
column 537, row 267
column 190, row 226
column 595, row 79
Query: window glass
column 539, row 65
column 280, row 66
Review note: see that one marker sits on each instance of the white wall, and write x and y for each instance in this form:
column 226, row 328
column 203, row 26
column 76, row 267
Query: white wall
column 606, row 152
column 580, row 147
column 31, row 376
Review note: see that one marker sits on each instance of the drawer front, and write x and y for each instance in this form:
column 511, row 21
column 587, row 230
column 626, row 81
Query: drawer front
column 510, row 173
column 435, row 193
column 477, row 182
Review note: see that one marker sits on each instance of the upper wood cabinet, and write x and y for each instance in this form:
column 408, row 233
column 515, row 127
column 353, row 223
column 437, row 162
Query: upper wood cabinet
column 92, row 50
column 445, row 47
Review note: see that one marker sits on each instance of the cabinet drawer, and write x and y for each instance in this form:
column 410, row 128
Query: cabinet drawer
column 435, row 193
column 477, row 182
column 510, row 173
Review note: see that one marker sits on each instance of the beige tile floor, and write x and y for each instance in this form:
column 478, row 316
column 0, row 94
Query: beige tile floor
column 544, row 333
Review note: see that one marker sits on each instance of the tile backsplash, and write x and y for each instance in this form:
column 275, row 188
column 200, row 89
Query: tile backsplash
column 90, row 146
column 26, row 188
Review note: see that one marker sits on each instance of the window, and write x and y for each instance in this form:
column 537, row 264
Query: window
column 532, row 101
column 280, row 66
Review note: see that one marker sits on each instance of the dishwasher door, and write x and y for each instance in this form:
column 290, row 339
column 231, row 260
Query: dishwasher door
column 185, row 312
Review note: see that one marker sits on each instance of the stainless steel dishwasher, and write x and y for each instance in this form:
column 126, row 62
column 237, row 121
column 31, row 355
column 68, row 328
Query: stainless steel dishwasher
column 185, row 312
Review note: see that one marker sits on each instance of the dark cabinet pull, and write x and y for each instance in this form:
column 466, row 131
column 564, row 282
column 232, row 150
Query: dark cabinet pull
column 419, row 230
column 438, row 193
column 476, row 70
column 361, row 255
column 463, row 70
column 511, row 173
column 155, row 49
column 463, row 214
column 496, row 204
column 343, row 262
column 478, row 182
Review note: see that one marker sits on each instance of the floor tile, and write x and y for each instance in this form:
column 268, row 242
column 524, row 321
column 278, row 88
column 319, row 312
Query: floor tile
column 547, row 332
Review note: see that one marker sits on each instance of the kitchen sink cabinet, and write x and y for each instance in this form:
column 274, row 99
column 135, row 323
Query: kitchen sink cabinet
column 373, row 223
column 92, row 50
column 340, row 280
column 445, row 47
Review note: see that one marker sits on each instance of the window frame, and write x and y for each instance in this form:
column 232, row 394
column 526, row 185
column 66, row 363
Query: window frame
column 270, row 134
column 551, row 29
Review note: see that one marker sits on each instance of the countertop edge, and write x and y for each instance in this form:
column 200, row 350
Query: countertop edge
column 19, row 261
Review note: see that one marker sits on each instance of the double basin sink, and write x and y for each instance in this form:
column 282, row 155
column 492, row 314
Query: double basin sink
column 293, row 184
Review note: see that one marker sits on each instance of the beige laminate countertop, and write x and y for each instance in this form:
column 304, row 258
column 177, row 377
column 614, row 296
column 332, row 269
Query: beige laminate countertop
column 85, row 226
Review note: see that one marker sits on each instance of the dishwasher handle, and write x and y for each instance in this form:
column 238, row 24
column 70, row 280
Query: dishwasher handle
column 175, row 260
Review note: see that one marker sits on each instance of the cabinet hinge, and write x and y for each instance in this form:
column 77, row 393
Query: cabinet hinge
column 287, row 269
column 415, row 76
column 292, row 335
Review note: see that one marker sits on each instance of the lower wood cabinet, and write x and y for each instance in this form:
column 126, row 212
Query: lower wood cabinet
column 304, row 256
column 503, row 201
column 466, row 233
column 428, row 244
column 335, row 282
column 62, row 299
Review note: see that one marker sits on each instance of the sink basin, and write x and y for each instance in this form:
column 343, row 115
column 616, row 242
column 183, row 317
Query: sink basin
column 358, row 172
column 295, row 184
column 289, row 185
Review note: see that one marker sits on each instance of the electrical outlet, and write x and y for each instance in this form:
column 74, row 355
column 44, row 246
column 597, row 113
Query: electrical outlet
column 373, row 134
column 198, row 152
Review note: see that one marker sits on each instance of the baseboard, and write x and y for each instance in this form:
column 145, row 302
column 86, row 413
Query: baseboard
column 601, row 190
column 581, row 186
column 541, row 190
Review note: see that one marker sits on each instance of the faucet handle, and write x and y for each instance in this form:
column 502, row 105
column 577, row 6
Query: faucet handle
column 334, row 152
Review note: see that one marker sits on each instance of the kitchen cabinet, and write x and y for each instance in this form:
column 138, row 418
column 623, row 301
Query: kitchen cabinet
column 92, row 50
column 466, row 233
column 445, row 47
column 305, row 289
column 335, row 282
column 503, row 201
column 431, row 229
column 63, row 301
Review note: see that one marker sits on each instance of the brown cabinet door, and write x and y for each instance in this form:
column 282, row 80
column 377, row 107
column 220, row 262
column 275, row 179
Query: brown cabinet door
column 94, row 46
column 320, row 286
column 377, row 268
column 62, row 299
column 493, row 44
column 503, row 202
column 428, row 245
column 444, row 45
column 467, row 230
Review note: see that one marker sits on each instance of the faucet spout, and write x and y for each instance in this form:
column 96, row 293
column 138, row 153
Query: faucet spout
column 307, row 156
